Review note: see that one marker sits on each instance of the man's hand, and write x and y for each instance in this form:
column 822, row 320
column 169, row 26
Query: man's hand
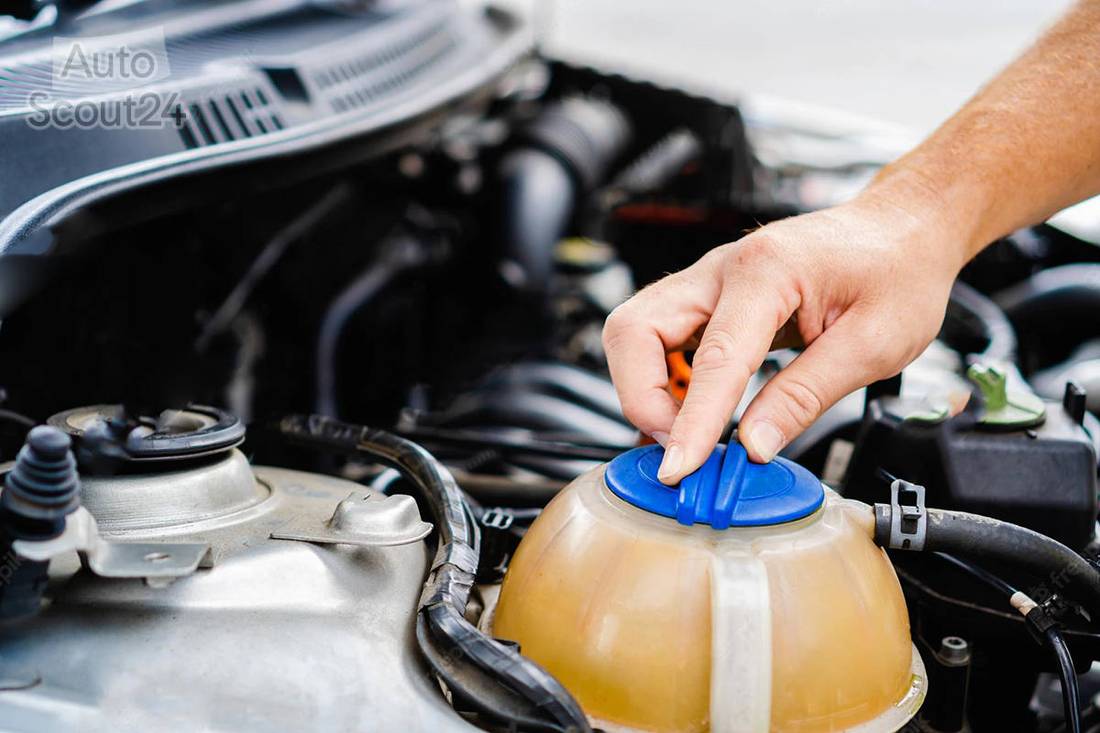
column 867, row 283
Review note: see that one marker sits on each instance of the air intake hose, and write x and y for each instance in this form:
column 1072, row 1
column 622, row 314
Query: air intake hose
column 563, row 154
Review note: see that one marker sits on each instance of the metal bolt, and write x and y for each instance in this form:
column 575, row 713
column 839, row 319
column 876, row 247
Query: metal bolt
column 954, row 651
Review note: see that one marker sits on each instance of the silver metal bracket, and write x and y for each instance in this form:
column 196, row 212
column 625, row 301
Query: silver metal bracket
column 150, row 560
column 908, row 516
column 363, row 518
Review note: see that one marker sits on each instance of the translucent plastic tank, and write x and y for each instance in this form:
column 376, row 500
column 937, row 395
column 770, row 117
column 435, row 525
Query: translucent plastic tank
column 748, row 599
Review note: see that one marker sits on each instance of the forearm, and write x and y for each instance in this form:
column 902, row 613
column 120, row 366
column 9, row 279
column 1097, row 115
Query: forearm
column 1026, row 146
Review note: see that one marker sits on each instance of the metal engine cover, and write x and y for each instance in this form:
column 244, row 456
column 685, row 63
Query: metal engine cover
column 268, row 635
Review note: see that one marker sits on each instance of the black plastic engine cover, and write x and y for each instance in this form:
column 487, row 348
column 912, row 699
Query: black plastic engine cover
column 1043, row 478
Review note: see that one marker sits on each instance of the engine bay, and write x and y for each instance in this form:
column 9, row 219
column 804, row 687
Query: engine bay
column 301, row 408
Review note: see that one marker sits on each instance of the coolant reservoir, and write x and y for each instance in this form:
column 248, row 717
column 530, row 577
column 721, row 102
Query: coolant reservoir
column 748, row 599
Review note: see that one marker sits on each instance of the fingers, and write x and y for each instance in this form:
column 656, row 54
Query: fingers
column 639, row 333
column 733, row 346
column 636, row 359
column 835, row 364
column 788, row 336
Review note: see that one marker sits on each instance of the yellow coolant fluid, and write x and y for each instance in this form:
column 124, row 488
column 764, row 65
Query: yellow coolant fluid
column 748, row 599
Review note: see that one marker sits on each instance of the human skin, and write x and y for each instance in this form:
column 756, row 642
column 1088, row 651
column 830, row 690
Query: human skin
column 867, row 281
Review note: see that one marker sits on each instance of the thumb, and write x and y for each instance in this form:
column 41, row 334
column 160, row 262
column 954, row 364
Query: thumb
column 834, row 365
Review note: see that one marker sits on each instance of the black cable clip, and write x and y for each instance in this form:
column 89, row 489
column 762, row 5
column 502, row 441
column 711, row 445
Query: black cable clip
column 1040, row 619
column 498, row 542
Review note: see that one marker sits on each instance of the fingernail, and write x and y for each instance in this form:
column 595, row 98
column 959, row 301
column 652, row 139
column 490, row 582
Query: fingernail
column 661, row 438
column 766, row 440
column 671, row 463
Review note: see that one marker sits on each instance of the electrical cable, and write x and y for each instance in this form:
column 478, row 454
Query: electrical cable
column 1071, row 696
column 481, row 672
column 980, row 573
column 14, row 418
column 1090, row 719
column 269, row 255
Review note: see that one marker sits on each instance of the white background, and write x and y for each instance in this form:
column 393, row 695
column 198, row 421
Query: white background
column 904, row 61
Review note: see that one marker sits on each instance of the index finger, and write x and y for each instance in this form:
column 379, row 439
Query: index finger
column 639, row 333
column 734, row 345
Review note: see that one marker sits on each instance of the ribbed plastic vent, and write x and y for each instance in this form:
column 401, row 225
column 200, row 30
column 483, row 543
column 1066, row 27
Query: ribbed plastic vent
column 359, row 80
column 227, row 117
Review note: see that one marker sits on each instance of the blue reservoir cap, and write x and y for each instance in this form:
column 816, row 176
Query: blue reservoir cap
column 728, row 490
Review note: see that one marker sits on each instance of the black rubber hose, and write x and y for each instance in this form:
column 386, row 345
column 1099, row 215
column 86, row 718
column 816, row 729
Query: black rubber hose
column 534, row 411
column 506, row 491
column 493, row 677
column 1071, row 695
column 995, row 325
column 395, row 257
column 1066, row 289
column 538, row 195
column 984, row 538
column 566, row 381
column 1055, row 310
column 509, row 444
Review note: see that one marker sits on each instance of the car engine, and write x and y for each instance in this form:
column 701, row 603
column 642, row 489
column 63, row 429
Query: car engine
column 303, row 404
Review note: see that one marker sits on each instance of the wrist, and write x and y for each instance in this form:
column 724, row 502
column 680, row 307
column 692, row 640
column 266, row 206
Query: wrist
column 946, row 209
